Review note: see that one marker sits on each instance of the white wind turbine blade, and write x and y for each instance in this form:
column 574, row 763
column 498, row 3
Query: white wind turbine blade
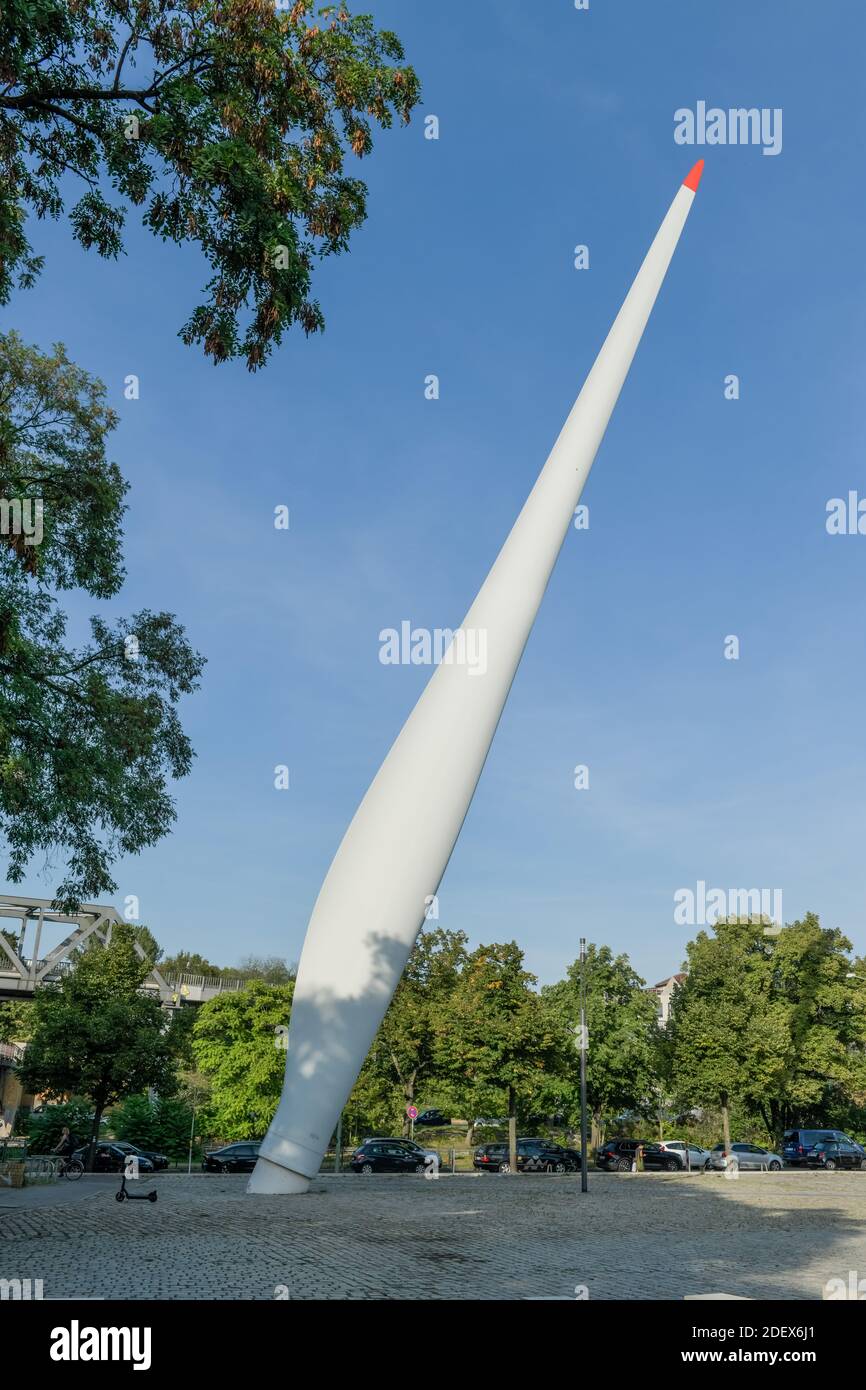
column 372, row 903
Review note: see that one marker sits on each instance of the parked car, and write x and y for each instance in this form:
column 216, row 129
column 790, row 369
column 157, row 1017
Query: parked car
column 419, row 1149
column 836, row 1153
column 386, row 1156
column 110, row 1158
column 547, row 1156
column 158, row 1160
column 618, row 1155
column 432, row 1119
column 798, row 1144
column 693, row 1156
column 533, row 1156
column 231, row 1158
column 744, row 1156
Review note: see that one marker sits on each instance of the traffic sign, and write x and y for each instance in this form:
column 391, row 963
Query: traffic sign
column 412, row 1112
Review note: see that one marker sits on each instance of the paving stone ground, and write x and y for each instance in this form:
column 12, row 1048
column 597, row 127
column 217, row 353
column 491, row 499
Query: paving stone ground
column 641, row 1236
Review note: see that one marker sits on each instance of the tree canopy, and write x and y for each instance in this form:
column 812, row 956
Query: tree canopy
column 623, row 1034
column 239, row 1045
column 89, row 734
column 226, row 122
column 96, row 1034
column 776, row 1019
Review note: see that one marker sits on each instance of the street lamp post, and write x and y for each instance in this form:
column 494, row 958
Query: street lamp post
column 583, row 1041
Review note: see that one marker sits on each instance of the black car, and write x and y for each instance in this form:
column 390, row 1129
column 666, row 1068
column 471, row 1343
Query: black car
column 618, row 1155
column 533, row 1156
column 432, row 1119
column 799, row 1143
column 158, row 1160
column 836, row 1153
column 110, row 1158
column 232, row 1158
column 387, row 1156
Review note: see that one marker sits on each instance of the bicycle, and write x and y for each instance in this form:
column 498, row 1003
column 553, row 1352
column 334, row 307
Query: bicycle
column 69, row 1168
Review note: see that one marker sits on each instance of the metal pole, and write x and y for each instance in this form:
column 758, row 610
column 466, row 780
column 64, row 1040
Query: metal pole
column 338, row 1146
column 191, row 1133
column 583, row 1040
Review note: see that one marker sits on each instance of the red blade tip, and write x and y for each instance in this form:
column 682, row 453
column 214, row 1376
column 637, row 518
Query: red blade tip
column 693, row 177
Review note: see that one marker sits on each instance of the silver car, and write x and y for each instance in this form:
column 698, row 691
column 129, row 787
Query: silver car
column 744, row 1156
column 692, row 1156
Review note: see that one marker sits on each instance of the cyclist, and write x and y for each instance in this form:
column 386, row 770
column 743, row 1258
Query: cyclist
column 65, row 1146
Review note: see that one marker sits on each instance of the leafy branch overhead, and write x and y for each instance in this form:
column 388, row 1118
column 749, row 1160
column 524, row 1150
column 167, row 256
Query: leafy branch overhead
column 89, row 733
column 228, row 122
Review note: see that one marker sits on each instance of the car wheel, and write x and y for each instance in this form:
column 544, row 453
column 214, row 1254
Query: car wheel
column 420, row 1168
column 622, row 1165
column 505, row 1167
column 366, row 1167
column 224, row 1168
column 829, row 1164
column 560, row 1168
column 670, row 1165
column 775, row 1166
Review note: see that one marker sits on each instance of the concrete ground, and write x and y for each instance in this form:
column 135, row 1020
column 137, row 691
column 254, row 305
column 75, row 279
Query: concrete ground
column 633, row 1236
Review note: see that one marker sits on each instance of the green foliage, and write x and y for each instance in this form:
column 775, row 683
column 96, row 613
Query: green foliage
column 777, row 1020
column 239, row 1045
column 227, row 122
column 498, row 1042
column 272, row 969
column 188, row 963
column 16, row 1019
column 404, row 1056
column 88, row 735
column 43, row 1129
column 148, row 942
column 162, row 1125
column 623, row 1038
column 96, row 1034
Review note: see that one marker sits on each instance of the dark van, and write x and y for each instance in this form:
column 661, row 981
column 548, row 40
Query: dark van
column 799, row 1143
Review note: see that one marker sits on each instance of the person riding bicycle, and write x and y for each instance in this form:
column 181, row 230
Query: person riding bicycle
column 65, row 1147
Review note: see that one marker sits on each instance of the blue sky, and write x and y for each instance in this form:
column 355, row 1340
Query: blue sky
column 707, row 516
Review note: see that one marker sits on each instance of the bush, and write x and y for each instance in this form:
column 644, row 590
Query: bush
column 161, row 1125
column 42, row 1128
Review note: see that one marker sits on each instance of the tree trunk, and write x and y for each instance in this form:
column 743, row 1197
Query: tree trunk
column 409, row 1098
column 94, row 1135
column 597, row 1130
column 726, row 1122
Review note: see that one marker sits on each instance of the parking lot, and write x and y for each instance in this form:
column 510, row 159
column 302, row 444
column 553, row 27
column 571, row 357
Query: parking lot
column 643, row 1236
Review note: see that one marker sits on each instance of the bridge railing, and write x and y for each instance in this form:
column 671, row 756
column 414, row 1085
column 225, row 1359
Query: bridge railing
column 215, row 982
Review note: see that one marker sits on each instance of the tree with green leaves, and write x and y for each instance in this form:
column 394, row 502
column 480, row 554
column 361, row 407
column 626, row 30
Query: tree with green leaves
column 405, row 1054
column 161, row 1124
column 239, row 1042
column 622, row 1044
column 96, row 1034
column 89, row 734
column 44, row 1127
column 498, row 1041
column 16, row 1020
column 774, row 1018
column 189, row 963
column 228, row 123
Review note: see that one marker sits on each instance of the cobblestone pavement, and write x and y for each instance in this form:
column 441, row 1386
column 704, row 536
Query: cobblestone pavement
column 765, row 1235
